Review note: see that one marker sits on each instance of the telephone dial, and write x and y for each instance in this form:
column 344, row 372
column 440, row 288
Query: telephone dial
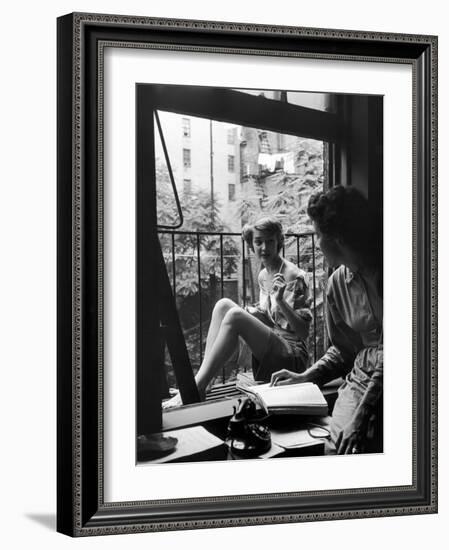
column 248, row 435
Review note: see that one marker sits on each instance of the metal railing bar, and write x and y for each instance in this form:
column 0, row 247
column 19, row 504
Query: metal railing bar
column 173, row 255
column 297, row 250
column 243, row 273
column 221, row 266
column 223, row 370
column 199, row 294
column 227, row 234
column 314, row 298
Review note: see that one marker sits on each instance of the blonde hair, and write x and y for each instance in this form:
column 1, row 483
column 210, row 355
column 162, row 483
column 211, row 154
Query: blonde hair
column 267, row 224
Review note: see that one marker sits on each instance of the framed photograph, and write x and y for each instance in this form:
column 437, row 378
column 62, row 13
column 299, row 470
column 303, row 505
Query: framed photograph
column 246, row 233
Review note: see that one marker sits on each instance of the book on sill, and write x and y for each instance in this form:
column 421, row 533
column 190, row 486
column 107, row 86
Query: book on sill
column 303, row 398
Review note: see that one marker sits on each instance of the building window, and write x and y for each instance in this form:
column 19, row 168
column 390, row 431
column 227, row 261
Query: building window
column 231, row 163
column 187, row 187
column 186, row 127
column 231, row 136
column 231, row 191
column 186, row 158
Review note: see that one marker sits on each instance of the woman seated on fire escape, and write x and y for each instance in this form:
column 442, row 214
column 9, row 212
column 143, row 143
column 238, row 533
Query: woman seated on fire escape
column 275, row 330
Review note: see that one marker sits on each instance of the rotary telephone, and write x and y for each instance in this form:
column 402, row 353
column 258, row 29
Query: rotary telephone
column 248, row 435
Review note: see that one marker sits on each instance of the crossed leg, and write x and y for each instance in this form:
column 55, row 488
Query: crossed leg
column 235, row 323
column 228, row 323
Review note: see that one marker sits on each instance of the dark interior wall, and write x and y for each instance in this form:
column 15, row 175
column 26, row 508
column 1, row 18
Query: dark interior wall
column 362, row 147
column 359, row 143
column 375, row 148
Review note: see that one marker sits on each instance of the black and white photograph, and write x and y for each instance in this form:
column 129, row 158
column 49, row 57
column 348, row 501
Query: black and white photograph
column 246, row 233
column 220, row 220
column 259, row 273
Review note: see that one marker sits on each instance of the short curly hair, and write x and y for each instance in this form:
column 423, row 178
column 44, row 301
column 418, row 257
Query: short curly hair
column 269, row 225
column 344, row 213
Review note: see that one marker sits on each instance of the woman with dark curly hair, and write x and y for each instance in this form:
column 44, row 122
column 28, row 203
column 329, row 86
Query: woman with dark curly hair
column 276, row 329
column 351, row 242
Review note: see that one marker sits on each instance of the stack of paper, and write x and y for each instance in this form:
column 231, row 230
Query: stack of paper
column 293, row 439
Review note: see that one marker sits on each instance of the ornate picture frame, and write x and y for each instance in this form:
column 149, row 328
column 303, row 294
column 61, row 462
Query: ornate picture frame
column 82, row 509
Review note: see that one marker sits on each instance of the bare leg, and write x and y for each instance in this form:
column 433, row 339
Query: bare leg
column 235, row 323
column 222, row 341
column 220, row 309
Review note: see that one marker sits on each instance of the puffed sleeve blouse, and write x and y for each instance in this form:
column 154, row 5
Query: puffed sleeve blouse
column 296, row 295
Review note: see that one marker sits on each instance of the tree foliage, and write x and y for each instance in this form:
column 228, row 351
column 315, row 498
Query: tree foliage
column 200, row 215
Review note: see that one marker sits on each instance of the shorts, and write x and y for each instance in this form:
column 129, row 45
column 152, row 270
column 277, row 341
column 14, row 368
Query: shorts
column 282, row 353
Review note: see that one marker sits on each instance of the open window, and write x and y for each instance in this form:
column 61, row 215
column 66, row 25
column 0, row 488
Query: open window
column 272, row 149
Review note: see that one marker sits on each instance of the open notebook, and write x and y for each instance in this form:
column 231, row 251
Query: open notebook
column 291, row 399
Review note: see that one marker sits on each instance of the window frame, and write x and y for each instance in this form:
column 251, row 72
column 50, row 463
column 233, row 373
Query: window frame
column 186, row 157
column 186, row 127
column 225, row 105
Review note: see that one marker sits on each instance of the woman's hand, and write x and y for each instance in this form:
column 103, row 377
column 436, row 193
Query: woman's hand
column 278, row 287
column 284, row 377
column 352, row 439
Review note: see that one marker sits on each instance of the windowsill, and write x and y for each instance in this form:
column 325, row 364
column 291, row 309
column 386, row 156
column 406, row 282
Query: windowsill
column 220, row 405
